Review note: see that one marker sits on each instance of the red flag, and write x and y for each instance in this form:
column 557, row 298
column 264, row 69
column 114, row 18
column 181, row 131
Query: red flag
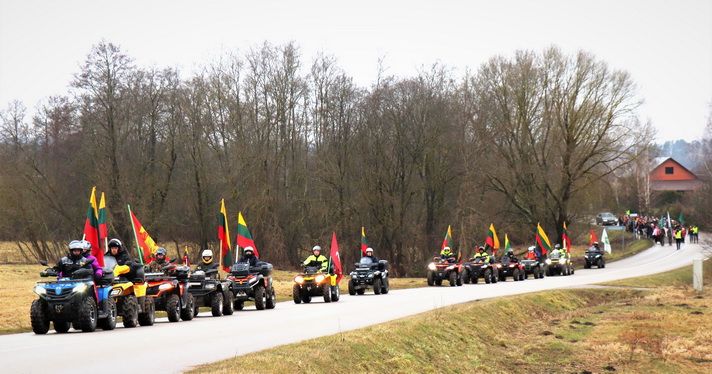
column 335, row 258
column 147, row 247
column 592, row 238
column 566, row 240
column 227, row 256
column 364, row 242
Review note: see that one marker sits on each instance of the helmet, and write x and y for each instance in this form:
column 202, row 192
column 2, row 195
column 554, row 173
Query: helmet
column 161, row 251
column 369, row 249
column 531, row 249
column 595, row 244
column 249, row 249
column 557, row 246
column 481, row 249
column 86, row 245
column 207, row 256
column 115, row 243
column 510, row 251
column 446, row 251
column 316, row 248
column 76, row 244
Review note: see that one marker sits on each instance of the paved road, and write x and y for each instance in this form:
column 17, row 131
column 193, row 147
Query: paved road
column 173, row 347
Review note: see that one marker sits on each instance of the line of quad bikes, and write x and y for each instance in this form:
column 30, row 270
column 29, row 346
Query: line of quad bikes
column 85, row 303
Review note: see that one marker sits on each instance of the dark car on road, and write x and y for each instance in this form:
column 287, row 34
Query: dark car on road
column 606, row 219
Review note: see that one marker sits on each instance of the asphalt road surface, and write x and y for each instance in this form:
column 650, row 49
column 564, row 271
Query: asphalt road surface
column 174, row 347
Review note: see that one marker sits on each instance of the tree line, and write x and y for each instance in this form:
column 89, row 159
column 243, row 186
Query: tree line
column 302, row 151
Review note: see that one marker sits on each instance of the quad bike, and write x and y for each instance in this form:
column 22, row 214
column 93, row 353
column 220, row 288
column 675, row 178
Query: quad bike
column 369, row 274
column 169, row 291
column 77, row 300
column 478, row 268
column 210, row 292
column 132, row 304
column 444, row 269
column 252, row 283
column 558, row 265
column 506, row 267
column 534, row 267
column 594, row 258
column 314, row 282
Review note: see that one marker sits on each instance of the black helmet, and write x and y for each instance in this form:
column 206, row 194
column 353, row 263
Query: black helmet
column 115, row 243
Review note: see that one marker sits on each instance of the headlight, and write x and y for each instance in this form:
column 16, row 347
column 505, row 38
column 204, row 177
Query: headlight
column 209, row 286
column 80, row 288
column 432, row 266
column 319, row 278
column 548, row 261
column 370, row 275
column 252, row 280
column 115, row 292
column 40, row 290
column 499, row 266
column 165, row 286
column 563, row 260
column 512, row 265
column 353, row 273
column 299, row 279
column 450, row 267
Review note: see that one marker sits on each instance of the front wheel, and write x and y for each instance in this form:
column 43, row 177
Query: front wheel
column 228, row 300
column 148, row 316
column 271, row 299
column 326, row 292
column 515, row 275
column 296, row 294
column 260, row 297
column 335, row 293
column 129, row 311
column 377, row 286
column 352, row 287
column 431, row 278
column 452, row 278
column 488, row 276
column 109, row 323
column 386, row 286
column 39, row 317
column 173, row 308
column 87, row 315
column 216, row 304
column 187, row 313
column 466, row 278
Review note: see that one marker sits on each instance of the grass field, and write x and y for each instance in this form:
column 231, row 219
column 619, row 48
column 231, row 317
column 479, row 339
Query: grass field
column 576, row 331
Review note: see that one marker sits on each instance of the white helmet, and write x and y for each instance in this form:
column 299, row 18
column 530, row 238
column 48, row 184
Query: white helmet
column 369, row 249
column 531, row 249
column 249, row 249
column 207, row 253
column 76, row 244
column 316, row 248
column 446, row 249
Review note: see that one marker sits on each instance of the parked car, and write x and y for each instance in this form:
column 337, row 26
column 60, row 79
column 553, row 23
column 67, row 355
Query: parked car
column 606, row 219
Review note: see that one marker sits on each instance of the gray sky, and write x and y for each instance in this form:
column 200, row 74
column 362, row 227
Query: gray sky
column 665, row 45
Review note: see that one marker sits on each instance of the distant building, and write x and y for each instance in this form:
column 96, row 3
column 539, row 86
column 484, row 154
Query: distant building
column 669, row 175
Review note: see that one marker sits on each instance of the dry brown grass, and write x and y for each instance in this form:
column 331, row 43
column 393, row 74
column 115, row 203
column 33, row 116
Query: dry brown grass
column 16, row 284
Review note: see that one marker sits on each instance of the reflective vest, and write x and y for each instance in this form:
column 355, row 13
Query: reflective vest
column 678, row 234
column 695, row 230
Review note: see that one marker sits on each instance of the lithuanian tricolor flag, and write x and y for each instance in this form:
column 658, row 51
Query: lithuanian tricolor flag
column 447, row 242
column 364, row 242
column 507, row 246
column 244, row 237
column 566, row 240
column 91, row 226
column 542, row 240
column 492, row 239
column 227, row 256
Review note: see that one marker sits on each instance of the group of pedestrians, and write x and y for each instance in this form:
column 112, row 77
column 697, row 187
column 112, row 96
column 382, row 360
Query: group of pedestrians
column 659, row 230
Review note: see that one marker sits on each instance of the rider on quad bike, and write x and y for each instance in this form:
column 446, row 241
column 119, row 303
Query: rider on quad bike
column 86, row 252
column 369, row 272
column 76, row 299
column 207, row 264
column 594, row 257
column 251, row 279
column 533, row 264
column 316, row 280
column 445, row 267
column 158, row 261
column 317, row 259
column 557, row 263
column 481, row 266
column 208, row 289
column 510, row 265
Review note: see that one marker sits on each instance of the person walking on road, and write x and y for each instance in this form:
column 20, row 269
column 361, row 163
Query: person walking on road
column 678, row 237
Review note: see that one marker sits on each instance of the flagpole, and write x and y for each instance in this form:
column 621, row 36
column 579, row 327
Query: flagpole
column 133, row 227
column 221, row 255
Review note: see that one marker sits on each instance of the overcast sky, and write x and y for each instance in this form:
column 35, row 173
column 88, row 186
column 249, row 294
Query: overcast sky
column 665, row 45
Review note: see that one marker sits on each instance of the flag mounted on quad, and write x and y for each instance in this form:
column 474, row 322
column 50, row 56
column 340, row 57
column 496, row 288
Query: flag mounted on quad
column 566, row 241
column 492, row 240
column 507, row 246
column 227, row 256
column 542, row 240
column 335, row 259
column 145, row 244
column 592, row 238
column 364, row 242
column 91, row 228
column 447, row 242
column 244, row 237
